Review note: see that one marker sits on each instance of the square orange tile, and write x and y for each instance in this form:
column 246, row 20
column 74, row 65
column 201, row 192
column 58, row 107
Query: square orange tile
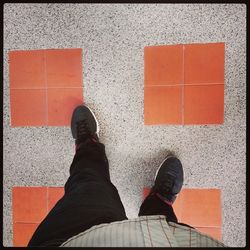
column 204, row 63
column 61, row 103
column 29, row 204
column 201, row 207
column 28, row 107
column 162, row 105
column 189, row 65
column 34, row 75
column 64, row 67
column 27, row 69
column 163, row 65
column 214, row 232
column 204, row 104
column 22, row 233
column 54, row 195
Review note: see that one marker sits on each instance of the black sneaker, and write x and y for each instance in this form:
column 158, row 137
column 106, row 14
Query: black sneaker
column 168, row 179
column 84, row 124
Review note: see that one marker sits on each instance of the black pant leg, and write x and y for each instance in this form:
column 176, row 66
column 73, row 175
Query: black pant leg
column 90, row 199
column 153, row 205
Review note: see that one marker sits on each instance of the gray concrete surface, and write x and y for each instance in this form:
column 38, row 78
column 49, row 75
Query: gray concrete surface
column 112, row 38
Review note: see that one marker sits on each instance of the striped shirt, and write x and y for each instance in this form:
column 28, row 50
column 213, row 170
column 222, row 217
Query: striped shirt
column 144, row 231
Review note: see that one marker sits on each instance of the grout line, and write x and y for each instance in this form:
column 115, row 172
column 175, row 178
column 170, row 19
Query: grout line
column 161, row 85
column 50, row 88
column 183, row 81
column 46, row 87
column 189, row 84
column 200, row 84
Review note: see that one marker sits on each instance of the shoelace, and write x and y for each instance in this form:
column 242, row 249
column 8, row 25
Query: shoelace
column 165, row 186
column 83, row 129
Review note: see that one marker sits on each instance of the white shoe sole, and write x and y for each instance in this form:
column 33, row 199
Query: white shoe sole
column 97, row 124
column 161, row 165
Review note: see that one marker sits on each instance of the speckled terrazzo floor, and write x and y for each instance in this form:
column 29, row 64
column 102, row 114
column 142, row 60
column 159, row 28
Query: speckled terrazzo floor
column 112, row 38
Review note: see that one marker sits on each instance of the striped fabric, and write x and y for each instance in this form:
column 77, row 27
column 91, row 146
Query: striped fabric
column 144, row 231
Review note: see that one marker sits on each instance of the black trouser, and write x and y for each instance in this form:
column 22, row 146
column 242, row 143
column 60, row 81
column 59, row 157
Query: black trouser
column 90, row 199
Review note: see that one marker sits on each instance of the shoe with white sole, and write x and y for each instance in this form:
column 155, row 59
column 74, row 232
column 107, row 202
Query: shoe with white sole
column 168, row 179
column 84, row 124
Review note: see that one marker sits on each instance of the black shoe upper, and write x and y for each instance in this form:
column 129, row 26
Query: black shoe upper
column 83, row 124
column 169, row 179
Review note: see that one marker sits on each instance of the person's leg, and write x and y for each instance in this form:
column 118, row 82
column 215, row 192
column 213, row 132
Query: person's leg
column 153, row 205
column 90, row 198
column 168, row 183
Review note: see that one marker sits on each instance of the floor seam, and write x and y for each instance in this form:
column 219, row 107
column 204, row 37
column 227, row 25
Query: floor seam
column 46, row 88
column 183, row 81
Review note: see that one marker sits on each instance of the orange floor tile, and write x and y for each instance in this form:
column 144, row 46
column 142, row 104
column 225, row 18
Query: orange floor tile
column 26, row 69
column 64, row 68
column 30, row 205
column 45, row 86
column 28, row 107
column 204, row 63
column 200, row 208
column 22, row 233
column 204, row 104
column 162, row 105
column 54, row 195
column 61, row 103
column 163, row 65
column 206, row 205
column 196, row 69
